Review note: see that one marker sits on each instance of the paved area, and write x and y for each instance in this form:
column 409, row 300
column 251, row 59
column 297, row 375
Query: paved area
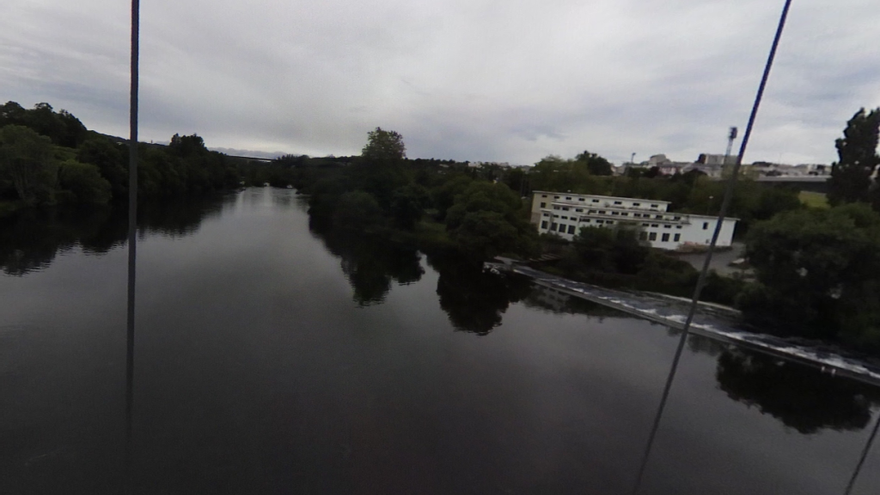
column 720, row 260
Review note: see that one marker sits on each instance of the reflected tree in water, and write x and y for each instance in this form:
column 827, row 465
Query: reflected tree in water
column 31, row 239
column 801, row 397
column 550, row 300
column 475, row 300
column 371, row 265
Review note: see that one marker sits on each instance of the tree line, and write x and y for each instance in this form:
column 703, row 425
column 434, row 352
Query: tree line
column 49, row 157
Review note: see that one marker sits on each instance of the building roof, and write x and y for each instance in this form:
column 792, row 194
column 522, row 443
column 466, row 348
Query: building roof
column 601, row 196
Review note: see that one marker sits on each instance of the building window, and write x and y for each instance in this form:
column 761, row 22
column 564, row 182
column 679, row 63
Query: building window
column 587, row 220
column 562, row 227
column 600, row 221
column 667, row 226
column 645, row 225
column 610, row 222
column 705, row 225
column 543, row 205
column 579, row 210
column 564, row 208
column 617, row 202
column 658, row 216
column 625, row 214
column 637, row 204
column 652, row 236
column 615, row 213
column 678, row 226
column 571, row 229
column 568, row 198
column 552, row 226
column 555, row 197
column 676, row 237
column 595, row 201
column 580, row 199
column 543, row 195
column 664, row 238
column 643, row 236
column 655, row 225
column 555, row 207
column 653, row 206
column 544, row 225
column 601, row 212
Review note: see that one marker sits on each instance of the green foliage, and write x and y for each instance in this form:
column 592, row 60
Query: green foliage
column 408, row 205
column 556, row 174
column 84, row 182
column 443, row 195
column 26, row 160
column 357, row 210
column 857, row 151
column 487, row 220
column 111, row 160
column 384, row 147
column 819, row 273
column 596, row 164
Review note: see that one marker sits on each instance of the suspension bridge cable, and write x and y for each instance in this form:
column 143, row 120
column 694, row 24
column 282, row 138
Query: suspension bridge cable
column 132, row 232
column 725, row 205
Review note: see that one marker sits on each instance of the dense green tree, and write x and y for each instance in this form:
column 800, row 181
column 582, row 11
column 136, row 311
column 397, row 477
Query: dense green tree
column 408, row 205
column 488, row 219
column 357, row 210
column 857, row 160
column 111, row 159
column 554, row 173
column 596, row 164
column 384, row 147
column 443, row 195
column 11, row 113
column 84, row 182
column 818, row 273
column 26, row 158
column 187, row 145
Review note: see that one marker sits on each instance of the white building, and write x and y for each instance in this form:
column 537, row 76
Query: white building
column 564, row 214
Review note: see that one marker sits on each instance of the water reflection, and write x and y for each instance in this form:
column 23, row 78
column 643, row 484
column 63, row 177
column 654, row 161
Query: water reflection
column 550, row 300
column 801, row 397
column 31, row 239
column 253, row 378
column 475, row 300
column 371, row 265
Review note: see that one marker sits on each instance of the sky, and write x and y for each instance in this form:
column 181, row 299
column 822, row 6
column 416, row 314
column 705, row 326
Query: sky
column 480, row 80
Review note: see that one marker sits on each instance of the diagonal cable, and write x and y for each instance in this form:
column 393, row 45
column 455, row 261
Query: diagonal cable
column 725, row 205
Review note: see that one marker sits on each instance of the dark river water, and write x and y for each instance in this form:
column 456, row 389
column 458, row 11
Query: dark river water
column 271, row 357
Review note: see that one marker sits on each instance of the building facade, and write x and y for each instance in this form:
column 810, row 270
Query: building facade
column 564, row 214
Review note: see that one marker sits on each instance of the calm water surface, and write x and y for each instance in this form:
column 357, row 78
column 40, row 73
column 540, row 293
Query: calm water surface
column 275, row 358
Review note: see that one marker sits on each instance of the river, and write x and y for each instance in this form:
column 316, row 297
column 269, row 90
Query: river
column 271, row 357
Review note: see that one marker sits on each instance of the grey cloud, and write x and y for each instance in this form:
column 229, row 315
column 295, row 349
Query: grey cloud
column 464, row 79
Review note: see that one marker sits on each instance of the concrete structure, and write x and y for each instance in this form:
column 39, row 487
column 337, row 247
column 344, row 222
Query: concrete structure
column 564, row 214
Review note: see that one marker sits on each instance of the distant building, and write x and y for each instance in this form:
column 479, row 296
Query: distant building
column 709, row 159
column 564, row 214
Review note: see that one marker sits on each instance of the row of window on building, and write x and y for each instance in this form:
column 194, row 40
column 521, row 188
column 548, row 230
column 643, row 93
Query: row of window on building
column 614, row 213
column 594, row 200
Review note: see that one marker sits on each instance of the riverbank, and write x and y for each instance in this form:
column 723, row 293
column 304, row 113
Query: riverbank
column 711, row 320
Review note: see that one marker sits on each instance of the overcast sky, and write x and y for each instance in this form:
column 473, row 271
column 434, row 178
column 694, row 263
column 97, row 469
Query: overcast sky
column 511, row 80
